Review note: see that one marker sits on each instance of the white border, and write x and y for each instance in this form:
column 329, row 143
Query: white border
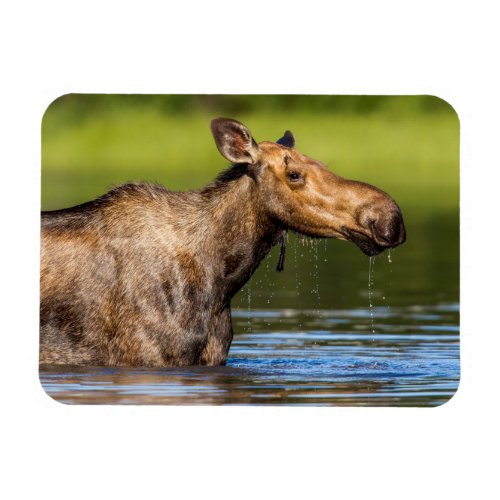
column 55, row 451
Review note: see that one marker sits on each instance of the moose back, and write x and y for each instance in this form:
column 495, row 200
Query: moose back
column 144, row 276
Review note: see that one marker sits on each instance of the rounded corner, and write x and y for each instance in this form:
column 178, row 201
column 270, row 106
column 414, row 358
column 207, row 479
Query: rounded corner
column 445, row 103
column 47, row 394
column 444, row 403
column 52, row 103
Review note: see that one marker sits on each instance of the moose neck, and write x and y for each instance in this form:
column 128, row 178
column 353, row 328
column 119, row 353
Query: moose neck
column 239, row 232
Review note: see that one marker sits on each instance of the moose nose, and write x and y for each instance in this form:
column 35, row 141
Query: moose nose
column 389, row 230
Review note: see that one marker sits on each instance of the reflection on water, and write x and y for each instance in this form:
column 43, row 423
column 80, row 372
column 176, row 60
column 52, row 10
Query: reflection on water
column 306, row 336
column 412, row 360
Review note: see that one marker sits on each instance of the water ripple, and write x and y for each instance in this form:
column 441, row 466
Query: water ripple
column 412, row 359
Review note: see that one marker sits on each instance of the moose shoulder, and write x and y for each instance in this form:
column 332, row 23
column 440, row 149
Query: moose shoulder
column 144, row 276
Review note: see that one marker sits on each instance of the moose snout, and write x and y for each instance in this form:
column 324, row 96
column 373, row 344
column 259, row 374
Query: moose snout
column 388, row 229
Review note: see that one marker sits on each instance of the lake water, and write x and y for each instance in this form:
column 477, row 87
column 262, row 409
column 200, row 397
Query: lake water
column 318, row 333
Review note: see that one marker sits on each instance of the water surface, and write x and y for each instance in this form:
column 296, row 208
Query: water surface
column 318, row 334
column 412, row 360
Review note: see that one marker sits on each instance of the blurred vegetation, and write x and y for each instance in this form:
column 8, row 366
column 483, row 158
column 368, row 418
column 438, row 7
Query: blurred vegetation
column 406, row 145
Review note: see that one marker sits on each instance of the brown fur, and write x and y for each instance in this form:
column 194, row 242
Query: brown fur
column 144, row 276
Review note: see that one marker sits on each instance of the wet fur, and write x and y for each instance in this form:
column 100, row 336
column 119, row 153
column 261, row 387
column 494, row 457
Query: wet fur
column 144, row 276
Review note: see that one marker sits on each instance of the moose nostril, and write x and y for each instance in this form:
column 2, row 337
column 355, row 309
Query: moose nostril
column 389, row 230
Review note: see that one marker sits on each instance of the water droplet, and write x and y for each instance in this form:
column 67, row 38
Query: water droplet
column 371, row 267
column 249, row 303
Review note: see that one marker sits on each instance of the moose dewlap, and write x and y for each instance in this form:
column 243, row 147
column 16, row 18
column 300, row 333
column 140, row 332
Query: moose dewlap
column 144, row 276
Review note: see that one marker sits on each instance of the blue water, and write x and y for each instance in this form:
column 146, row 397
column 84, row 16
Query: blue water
column 334, row 358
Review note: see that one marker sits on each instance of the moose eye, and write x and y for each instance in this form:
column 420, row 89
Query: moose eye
column 294, row 176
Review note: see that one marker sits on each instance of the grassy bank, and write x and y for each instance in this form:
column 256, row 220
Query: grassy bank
column 412, row 155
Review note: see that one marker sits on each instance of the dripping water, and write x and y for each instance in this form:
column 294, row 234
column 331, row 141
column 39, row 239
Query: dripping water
column 371, row 267
column 297, row 281
column 249, row 306
column 268, row 285
column 389, row 260
column 316, row 276
column 308, row 242
column 266, row 269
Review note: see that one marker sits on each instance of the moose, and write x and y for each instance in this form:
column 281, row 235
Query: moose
column 144, row 276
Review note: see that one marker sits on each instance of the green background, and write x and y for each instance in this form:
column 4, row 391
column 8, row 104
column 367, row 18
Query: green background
column 405, row 145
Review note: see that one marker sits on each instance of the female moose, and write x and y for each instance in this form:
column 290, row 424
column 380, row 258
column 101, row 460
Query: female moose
column 144, row 276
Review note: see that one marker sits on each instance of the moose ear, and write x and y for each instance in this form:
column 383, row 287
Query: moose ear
column 234, row 141
column 287, row 140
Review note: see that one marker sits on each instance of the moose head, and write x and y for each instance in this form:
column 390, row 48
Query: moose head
column 303, row 195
